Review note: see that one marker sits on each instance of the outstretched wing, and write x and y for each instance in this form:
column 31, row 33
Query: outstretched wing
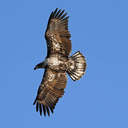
column 57, row 34
column 50, row 90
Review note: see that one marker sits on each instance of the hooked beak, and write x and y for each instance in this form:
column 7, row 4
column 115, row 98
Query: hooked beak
column 36, row 67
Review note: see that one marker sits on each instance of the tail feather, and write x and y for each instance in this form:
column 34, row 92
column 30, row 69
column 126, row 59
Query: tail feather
column 76, row 66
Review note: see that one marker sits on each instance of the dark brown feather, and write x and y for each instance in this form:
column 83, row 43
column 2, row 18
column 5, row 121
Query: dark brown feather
column 56, row 14
column 63, row 16
column 40, row 108
column 48, row 111
column 59, row 16
column 37, row 105
column 44, row 110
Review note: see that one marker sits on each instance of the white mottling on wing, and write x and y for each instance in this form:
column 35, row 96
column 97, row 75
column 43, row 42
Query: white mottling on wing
column 51, row 77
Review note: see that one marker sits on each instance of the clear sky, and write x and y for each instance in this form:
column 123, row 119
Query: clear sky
column 99, row 30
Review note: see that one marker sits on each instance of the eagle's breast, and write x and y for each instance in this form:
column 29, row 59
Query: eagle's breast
column 57, row 62
column 53, row 60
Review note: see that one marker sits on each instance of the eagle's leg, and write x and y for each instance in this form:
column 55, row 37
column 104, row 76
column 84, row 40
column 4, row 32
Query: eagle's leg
column 40, row 65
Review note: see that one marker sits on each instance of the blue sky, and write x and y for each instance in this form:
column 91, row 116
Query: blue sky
column 99, row 30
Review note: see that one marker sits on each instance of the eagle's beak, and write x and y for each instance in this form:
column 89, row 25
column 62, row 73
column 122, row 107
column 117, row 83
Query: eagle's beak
column 40, row 65
column 35, row 68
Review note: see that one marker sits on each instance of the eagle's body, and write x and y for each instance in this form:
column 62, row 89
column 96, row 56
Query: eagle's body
column 57, row 63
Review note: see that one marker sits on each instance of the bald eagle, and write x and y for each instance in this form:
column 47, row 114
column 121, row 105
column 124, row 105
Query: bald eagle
column 57, row 63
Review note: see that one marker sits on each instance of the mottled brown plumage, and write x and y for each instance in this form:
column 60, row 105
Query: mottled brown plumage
column 57, row 34
column 50, row 90
column 57, row 63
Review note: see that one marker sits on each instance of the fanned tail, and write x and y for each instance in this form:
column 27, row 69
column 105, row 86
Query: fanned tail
column 76, row 66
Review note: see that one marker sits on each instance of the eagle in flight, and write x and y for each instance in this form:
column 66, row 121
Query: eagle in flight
column 57, row 63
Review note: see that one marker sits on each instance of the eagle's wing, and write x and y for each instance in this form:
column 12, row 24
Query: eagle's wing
column 57, row 34
column 50, row 90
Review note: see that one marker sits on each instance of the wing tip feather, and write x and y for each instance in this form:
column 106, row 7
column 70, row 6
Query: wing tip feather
column 58, row 14
column 46, row 108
